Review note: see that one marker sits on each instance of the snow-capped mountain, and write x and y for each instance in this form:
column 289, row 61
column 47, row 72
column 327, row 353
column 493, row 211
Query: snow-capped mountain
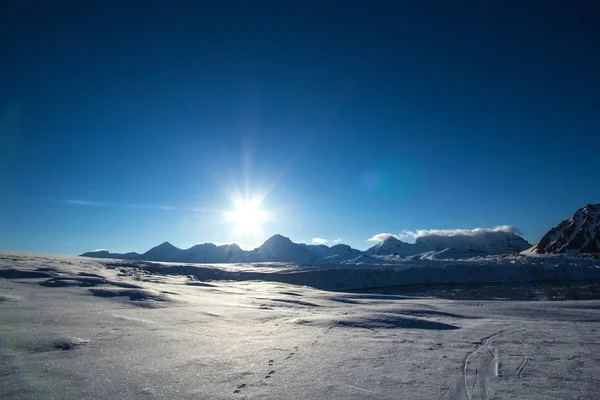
column 211, row 253
column 392, row 246
column 492, row 242
column 200, row 253
column 578, row 234
column 277, row 248
column 342, row 252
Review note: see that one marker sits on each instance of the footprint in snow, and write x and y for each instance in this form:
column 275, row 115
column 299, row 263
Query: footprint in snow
column 239, row 388
column 292, row 353
column 269, row 374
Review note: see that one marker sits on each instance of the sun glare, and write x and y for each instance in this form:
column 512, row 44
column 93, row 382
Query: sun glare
column 247, row 216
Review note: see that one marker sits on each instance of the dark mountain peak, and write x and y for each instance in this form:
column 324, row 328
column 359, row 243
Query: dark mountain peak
column 578, row 234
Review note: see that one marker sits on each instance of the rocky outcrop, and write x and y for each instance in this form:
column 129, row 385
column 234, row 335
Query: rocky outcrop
column 578, row 234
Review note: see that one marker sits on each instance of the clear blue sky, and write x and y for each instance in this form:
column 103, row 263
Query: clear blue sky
column 123, row 126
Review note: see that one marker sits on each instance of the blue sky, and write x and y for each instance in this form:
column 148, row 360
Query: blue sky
column 125, row 126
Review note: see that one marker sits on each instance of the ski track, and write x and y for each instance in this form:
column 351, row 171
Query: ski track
column 522, row 366
column 492, row 369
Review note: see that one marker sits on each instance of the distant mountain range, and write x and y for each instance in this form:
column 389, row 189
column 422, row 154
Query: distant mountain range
column 279, row 248
column 579, row 234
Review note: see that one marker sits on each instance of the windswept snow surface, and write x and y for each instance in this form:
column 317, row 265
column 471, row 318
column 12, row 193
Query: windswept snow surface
column 73, row 327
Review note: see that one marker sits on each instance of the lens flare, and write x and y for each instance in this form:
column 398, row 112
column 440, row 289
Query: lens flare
column 247, row 215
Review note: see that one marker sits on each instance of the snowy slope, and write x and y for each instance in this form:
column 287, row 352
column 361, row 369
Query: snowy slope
column 448, row 254
column 342, row 252
column 578, row 234
column 82, row 328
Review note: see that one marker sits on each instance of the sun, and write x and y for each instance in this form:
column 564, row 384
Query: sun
column 247, row 215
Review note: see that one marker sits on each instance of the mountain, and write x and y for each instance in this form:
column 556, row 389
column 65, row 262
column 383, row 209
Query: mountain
column 163, row 252
column 342, row 252
column 200, row 253
column 492, row 242
column 578, row 234
column 106, row 254
column 277, row 248
column 393, row 246
column 210, row 253
column 484, row 243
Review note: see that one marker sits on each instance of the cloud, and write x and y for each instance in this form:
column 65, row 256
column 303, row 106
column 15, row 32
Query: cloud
column 319, row 241
column 444, row 232
column 465, row 232
column 85, row 203
column 382, row 236
column 138, row 206
column 337, row 241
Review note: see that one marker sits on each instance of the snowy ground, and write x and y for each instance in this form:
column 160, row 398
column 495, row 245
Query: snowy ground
column 73, row 328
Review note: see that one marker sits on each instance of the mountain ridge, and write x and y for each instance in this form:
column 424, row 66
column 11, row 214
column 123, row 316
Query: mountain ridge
column 279, row 248
column 579, row 233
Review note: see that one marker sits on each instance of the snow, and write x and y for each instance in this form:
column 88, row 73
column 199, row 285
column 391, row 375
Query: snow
column 76, row 327
column 448, row 254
